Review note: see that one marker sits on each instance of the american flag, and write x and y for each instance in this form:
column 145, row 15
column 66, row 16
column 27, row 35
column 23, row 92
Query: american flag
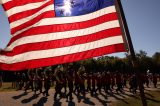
column 49, row 32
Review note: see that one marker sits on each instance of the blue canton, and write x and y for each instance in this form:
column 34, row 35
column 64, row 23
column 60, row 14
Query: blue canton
column 65, row 8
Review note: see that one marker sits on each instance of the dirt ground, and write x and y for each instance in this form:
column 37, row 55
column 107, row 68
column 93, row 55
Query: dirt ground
column 20, row 98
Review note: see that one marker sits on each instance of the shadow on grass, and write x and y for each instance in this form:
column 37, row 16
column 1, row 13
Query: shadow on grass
column 104, row 102
column 116, row 97
column 57, row 103
column 122, row 95
column 153, row 100
column 71, row 103
column 147, row 94
column 19, row 96
column 133, row 96
column 41, row 102
column 88, row 101
column 79, row 97
column 105, row 96
column 29, row 99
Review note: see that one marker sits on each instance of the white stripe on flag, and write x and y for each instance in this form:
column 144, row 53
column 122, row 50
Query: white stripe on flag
column 26, row 19
column 65, row 20
column 63, row 35
column 4, row 1
column 61, row 51
column 26, row 7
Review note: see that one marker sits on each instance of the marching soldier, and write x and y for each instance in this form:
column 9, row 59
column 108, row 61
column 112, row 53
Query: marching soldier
column 81, row 76
column 155, row 80
column 59, row 81
column 112, row 80
column 118, row 82
column 93, row 84
column 108, row 82
column 99, row 82
column 30, row 81
column 46, row 83
column 76, row 82
column 88, row 83
column 70, row 82
column 64, row 80
column 35, row 81
column 133, row 84
column 40, row 79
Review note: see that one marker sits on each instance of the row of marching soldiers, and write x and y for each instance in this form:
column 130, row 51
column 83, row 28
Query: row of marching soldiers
column 69, row 80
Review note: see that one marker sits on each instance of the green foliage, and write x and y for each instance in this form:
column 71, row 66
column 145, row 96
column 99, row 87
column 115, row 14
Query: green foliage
column 156, row 61
column 123, row 65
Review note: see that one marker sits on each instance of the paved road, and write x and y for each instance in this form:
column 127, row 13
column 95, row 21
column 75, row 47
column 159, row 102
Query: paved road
column 19, row 98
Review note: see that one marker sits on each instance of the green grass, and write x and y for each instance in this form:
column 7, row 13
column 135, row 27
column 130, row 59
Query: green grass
column 7, row 86
column 153, row 99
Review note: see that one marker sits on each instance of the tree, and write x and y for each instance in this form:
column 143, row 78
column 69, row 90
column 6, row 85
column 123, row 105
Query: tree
column 156, row 61
column 145, row 62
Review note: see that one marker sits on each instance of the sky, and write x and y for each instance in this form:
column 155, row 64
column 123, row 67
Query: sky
column 143, row 19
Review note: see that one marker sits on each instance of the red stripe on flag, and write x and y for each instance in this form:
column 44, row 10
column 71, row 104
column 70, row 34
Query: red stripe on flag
column 47, row 14
column 64, row 42
column 14, row 3
column 63, row 59
column 65, row 27
column 27, row 13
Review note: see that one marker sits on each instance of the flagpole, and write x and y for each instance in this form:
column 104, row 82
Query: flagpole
column 127, row 38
